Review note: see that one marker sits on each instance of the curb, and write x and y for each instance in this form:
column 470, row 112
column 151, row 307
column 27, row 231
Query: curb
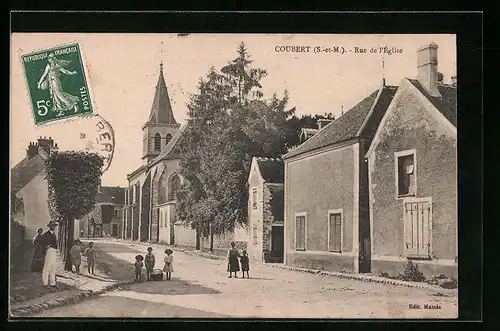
column 24, row 311
column 359, row 277
column 365, row 278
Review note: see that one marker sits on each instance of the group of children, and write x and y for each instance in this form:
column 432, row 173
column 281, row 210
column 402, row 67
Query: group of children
column 149, row 263
column 76, row 256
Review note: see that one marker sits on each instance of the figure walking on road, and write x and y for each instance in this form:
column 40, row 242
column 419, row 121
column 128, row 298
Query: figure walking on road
column 169, row 264
column 233, row 264
column 90, row 254
column 38, row 252
column 49, row 243
column 76, row 255
column 149, row 262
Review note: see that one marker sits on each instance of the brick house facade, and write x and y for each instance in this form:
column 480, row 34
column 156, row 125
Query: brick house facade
column 413, row 176
column 265, row 210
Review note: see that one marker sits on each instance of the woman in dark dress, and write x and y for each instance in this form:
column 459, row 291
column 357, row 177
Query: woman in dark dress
column 38, row 252
column 233, row 264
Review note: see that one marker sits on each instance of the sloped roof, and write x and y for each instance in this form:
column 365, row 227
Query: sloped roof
column 111, row 194
column 271, row 169
column 349, row 124
column 161, row 110
column 25, row 171
column 447, row 104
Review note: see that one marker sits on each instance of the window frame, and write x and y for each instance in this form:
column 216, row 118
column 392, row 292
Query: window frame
column 157, row 142
column 300, row 214
column 341, row 213
column 255, row 239
column 254, row 198
column 397, row 155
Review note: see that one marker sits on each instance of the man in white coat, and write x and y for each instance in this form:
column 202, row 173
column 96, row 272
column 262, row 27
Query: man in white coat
column 49, row 242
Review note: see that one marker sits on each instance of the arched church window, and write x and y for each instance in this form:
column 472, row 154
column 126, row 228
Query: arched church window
column 162, row 188
column 174, row 184
column 157, row 142
column 168, row 138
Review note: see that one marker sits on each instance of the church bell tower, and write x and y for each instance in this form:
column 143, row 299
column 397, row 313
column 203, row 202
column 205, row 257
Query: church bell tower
column 161, row 125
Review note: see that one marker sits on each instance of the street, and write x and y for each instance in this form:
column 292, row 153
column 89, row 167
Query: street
column 200, row 287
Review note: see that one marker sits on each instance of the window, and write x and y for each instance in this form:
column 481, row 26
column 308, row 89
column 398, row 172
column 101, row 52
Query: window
column 158, row 216
column 406, row 179
column 115, row 213
column 335, row 231
column 157, row 142
column 300, row 232
column 254, row 198
column 417, row 227
column 162, row 188
column 174, row 184
column 255, row 234
column 168, row 138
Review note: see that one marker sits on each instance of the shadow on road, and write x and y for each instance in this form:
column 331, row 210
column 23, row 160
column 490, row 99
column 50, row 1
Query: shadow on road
column 175, row 286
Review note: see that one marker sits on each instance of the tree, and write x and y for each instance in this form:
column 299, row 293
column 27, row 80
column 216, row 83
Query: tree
column 228, row 124
column 73, row 180
column 296, row 124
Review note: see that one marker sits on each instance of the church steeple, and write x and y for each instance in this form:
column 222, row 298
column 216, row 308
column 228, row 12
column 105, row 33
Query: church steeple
column 161, row 124
column 161, row 110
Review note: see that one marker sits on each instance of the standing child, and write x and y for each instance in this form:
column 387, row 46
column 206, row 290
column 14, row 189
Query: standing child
column 138, row 267
column 149, row 262
column 90, row 254
column 245, row 264
column 76, row 255
column 169, row 264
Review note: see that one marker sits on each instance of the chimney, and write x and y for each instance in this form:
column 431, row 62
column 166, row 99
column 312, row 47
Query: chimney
column 46, row 143
column 454, row 81
column 427, row 73
column 322, row 122
column 32, row 150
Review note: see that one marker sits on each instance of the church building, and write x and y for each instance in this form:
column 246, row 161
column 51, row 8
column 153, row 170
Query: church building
column 149, row 212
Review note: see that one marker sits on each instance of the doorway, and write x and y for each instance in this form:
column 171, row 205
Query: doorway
column 114, row 230
column 277, row 243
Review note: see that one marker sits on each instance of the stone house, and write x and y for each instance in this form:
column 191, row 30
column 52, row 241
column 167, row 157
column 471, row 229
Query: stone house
column 326, row 190
column 413, row 176
column 29, row 188
column 265, row 210
column 106, row 219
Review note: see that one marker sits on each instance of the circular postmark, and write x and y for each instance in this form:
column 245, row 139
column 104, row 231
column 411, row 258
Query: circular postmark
column 98, row 137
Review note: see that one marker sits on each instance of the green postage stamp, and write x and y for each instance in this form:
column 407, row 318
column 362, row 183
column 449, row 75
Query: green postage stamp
column 57, row 84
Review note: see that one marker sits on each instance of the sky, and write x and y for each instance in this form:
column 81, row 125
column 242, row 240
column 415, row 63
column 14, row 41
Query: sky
column 122, row 71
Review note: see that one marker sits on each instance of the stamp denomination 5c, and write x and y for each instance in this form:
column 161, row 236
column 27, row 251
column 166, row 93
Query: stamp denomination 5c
column 57, row 84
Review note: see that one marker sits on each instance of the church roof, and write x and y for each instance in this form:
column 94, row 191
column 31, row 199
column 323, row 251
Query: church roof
column 161, row 110
column 169, row 152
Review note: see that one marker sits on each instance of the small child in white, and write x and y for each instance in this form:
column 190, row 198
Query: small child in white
column 169, row 264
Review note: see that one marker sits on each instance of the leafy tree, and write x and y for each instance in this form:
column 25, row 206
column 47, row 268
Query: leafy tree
column 228, row 124
column 73, row 180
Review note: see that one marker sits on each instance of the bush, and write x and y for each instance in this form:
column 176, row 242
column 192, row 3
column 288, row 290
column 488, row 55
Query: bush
column 412, row 273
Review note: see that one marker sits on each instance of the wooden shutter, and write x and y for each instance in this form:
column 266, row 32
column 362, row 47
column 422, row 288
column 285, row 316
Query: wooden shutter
column 335, row 236
column 424, row 238
column 411, row 229
column 300, row 232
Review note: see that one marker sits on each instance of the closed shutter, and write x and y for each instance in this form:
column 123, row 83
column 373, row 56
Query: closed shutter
column 417, row 228
column 334, row 244
column 300, row 232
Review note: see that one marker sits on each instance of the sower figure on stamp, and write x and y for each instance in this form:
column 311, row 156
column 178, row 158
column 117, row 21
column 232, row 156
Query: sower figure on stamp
column 61, row 101
column 233, row 265
column 49, row 242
